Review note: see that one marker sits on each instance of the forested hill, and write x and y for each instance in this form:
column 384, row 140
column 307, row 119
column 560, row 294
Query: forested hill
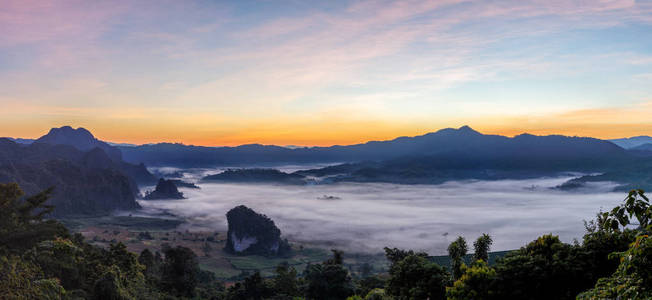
column 86, row 180
column 463, row 139
column 490, row 158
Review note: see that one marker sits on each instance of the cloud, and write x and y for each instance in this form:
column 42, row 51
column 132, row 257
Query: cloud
column 288, row 59
column 25, row 22
column 375, row 61
column 605, row 122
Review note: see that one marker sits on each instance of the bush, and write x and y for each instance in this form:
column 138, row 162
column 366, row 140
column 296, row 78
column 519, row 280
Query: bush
column 632, row 280
column 476, row 283
column 415, row 277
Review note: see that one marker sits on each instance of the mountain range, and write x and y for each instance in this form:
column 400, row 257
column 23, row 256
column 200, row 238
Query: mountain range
column 463, row 139
column 184, row 156
column 94, row 177
column 448, row 154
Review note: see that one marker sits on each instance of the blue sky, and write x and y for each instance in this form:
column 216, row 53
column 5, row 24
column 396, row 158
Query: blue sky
column 321, row 73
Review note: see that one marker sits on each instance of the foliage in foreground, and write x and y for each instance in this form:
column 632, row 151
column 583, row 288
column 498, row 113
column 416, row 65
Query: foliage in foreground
column 40, row 259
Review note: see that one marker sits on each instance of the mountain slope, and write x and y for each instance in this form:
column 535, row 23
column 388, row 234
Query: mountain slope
column 20, row 140
column 504, row 161
column 83, row 140
column 629, row 143
column 643, row 147
column 85, row 183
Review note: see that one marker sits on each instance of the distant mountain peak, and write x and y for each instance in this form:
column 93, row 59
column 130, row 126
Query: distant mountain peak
column 79, row 138
column 67, row 132
column 467, row 128
column 464, row 130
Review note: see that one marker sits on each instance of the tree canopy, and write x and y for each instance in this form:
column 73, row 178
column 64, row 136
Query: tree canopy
column 41, row 259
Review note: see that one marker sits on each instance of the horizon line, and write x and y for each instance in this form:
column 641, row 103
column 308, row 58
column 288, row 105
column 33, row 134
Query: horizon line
column 128, row 144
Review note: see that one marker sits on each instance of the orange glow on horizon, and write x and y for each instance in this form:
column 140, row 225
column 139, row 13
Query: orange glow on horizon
column 345, row 137
column 326, row 130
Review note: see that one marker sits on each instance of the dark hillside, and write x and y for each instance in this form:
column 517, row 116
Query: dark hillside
column 85, row 183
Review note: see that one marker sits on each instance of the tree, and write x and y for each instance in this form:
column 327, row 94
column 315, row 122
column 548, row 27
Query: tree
column 632, row 280
column 376, row 294
column 256, row 288
column 209, row 287
column 476, row 283
column 60, row 258
column 110, row 286
column 456, row 251
column 180, row 271
column 544, row 269
column 20, row 279
column 52, row 260
column 395, row 255
column 367, row 284
column 328, row 280
column 285, row 283
column 21, row 221
column 415, row 277
column 252, row 288
column 481, row 247
column 636, row 205
column 119, row 273
column 594, row 255
column 153, row 265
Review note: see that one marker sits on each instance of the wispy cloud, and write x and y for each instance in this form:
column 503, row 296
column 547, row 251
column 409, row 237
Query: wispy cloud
column 374, row 60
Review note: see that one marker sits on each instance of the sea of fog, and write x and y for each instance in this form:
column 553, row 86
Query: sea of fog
column 369, row 216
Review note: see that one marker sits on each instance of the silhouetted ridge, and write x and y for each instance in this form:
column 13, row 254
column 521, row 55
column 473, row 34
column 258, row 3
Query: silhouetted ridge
column 79, row 138
column 455, row 154
column 84, row 140
column 447, row 140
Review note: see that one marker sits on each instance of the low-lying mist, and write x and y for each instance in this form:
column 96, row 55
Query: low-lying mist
column 368, row 217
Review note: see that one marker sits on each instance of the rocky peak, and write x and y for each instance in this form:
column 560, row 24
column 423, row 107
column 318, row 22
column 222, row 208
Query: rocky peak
column 79, row 138
column 165, row 189
column 253, row 233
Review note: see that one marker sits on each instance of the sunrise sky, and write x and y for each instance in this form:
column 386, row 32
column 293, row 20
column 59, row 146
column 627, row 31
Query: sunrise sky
column 324, row 72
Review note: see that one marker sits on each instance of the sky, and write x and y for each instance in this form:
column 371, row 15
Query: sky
column 324, row 72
